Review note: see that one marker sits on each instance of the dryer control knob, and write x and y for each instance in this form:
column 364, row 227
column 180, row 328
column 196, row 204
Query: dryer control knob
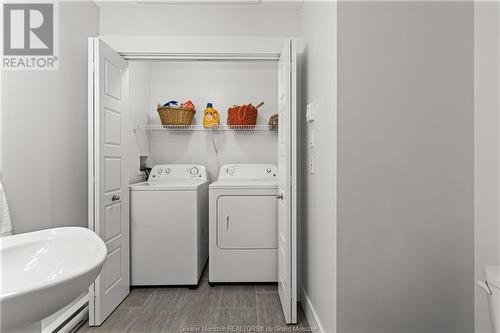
column 230, row 170
column 194, row 171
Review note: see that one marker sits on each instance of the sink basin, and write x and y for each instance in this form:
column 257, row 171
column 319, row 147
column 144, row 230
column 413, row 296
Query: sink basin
column 45, row 270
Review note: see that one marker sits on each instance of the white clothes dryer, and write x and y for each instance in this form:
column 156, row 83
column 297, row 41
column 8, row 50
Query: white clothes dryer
column 243, row 224
column 169, row 226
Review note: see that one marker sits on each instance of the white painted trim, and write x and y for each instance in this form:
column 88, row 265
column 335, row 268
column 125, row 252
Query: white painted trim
column 186, row 47
column 91, row 156
column 83, row 315
column 311, row 314
column 75, row 322
column 137, row 56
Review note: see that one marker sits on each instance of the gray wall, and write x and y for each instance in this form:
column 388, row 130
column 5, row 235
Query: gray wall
column 318, row 85
column 268, row 19
column 405, row 167
column 487, row 149
column 44, row 131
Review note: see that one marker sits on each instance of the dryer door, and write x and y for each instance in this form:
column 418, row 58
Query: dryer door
column 247, row 222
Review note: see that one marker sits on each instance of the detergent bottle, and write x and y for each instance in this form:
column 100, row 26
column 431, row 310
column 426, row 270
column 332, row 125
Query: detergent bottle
column 211, row 117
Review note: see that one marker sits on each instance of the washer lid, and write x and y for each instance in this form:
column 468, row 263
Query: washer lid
column 245, row 184
column 492, row 275
column 173, row 185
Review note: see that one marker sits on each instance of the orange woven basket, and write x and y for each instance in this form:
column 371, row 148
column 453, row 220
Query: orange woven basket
column 244, row 115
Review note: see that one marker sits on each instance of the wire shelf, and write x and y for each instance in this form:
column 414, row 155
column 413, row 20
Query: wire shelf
column 160, row 127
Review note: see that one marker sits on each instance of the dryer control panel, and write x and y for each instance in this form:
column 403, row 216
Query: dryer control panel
column 248, row 172
column 168, row 172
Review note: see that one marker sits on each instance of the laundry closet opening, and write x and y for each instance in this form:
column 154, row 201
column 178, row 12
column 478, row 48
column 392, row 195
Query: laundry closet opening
column 222, row 83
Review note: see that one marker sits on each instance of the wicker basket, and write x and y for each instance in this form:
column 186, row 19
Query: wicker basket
column 244, row 115
column 175, row 116
column 273, row 123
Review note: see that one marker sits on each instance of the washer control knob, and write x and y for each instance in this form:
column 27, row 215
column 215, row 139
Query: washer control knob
column 194, row 171
column 167, row 170
column 269, row 170
column 160, row 170
column 230, row 170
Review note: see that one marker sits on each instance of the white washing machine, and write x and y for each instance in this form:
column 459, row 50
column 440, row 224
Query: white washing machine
column 243, row 232
column 169, row 226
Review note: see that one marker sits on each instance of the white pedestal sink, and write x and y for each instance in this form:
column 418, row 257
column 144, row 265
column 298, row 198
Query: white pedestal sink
column 43, row 271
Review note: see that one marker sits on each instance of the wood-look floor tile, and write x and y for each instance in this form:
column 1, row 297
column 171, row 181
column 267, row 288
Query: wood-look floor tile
column 162, row 302
column 197, row 307
column 269, row 310
column 170, row 310
column 137, row 298
column 121, row 320
column 266, row 288
column 153, row 322
column 238, row 296
column 194, row 316
column 236, row 317
column 210, row 296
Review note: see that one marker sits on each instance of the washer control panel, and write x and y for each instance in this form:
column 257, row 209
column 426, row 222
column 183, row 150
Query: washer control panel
column 168, row 172
column 248, row 171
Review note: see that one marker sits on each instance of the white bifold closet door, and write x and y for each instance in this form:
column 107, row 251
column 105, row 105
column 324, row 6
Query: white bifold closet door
column 108, row 188
column 287, row 182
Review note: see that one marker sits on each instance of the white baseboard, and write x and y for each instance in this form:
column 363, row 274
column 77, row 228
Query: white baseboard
column 69, row 317
column 311, row 314
column 75, row 322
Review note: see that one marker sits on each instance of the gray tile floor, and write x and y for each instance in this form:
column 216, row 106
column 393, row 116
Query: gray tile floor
column 207, row 309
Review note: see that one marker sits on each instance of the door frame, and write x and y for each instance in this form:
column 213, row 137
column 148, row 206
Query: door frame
column 91, row 157
column 168, row 48
column 91, row 137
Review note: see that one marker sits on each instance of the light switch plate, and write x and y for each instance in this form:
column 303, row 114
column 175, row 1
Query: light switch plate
column 311, row 112
column 312, row 138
